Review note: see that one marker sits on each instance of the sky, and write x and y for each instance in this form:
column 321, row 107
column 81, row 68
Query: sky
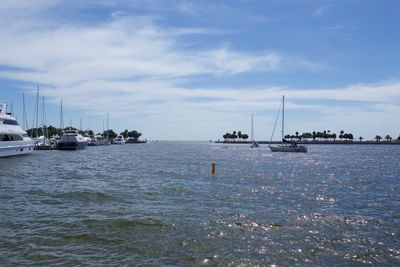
column 194, row 70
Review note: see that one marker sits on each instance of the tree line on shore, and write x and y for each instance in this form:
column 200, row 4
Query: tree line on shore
column 235, row 135
column 53, row 131
column 315, row 135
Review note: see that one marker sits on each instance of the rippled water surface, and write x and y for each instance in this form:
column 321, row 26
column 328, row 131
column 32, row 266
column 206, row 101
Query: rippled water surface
column 157, row 204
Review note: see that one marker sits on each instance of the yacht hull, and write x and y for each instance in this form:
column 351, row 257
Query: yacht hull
column 71, row 145
column 16, row 148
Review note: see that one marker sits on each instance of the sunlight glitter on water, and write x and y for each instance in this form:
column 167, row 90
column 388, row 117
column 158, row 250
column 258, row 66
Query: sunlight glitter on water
column 158, row 204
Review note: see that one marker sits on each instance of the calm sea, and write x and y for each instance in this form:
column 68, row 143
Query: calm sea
column 158, row 205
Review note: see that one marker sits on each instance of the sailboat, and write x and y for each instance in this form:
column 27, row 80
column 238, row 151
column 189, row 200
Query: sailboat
column 287, row 146
column 254, row 144
column 43, row 141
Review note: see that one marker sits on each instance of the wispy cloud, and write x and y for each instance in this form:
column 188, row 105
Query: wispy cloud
column 319, row 12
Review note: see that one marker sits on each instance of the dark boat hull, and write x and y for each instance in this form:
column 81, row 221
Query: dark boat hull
column 71, row 145
column 295, row 149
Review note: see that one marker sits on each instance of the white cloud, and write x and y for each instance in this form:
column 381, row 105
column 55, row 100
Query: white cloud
column 121, row 49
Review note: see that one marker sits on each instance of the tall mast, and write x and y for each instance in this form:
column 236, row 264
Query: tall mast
column 61, row 118
column 43, row 124
column 107, row 126
column 24, row 119
column 43, row 118
column 252, row 128
column 283, row 116
column 37, row 112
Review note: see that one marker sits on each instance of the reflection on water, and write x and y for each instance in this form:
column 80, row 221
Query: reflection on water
column 157, row 204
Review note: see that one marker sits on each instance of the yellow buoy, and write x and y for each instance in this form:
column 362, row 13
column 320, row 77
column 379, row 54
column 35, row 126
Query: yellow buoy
column 213, row 168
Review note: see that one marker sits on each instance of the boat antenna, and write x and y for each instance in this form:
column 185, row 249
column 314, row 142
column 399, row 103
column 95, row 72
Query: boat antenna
column 276, row 121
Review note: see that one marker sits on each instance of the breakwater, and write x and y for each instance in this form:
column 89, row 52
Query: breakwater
column 316, row 142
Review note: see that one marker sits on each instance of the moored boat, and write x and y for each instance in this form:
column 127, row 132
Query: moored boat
column 14, row 140
column 118, row 140
column 72, row 140
column 287, row 146
column 254, row 143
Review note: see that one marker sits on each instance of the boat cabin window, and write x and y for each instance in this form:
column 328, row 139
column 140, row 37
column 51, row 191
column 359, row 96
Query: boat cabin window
column 5, row 137
column 10, row 122
column 17, row 137
column 10, row 137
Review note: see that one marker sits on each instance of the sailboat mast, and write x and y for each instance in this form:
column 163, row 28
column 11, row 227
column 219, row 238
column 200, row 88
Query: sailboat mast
column 37, row 113
column 107, row 120
column 107, row 126
column 43, row 111
column 283, row 117
column 61, row 117
column 252, row 128
column 24, row 122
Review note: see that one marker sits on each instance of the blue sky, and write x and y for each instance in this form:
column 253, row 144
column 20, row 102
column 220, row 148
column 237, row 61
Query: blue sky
column 194, row 70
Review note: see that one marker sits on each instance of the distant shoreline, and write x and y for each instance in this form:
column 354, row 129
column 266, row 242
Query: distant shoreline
column 314, row 142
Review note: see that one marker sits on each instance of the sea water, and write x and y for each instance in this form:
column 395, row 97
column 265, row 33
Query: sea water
column 157, row 204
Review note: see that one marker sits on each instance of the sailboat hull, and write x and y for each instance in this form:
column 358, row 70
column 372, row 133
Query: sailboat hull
column 254, row 144
column 298, row 149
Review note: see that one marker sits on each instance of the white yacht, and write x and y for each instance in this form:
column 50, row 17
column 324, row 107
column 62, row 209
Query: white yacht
column 72, row 140
column 13, row 139
column 118, row 140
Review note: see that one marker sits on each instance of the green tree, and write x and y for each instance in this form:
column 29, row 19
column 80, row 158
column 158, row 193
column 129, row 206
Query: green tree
column 388, row 138
column 134, row 134
column 245, row 136
column 341, row 134
column 378, row 138
column 350, row 136
column 125, row 133
column 360, row 138
column 234, row 136
column 240, row 135
column 110, row 134
column 307, row 135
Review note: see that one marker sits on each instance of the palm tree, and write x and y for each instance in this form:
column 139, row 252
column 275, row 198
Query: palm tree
column 388, row 138
column 341, row 134
column 360, row 138
column 234, row 136
column 378, row 138
column 240, row 135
